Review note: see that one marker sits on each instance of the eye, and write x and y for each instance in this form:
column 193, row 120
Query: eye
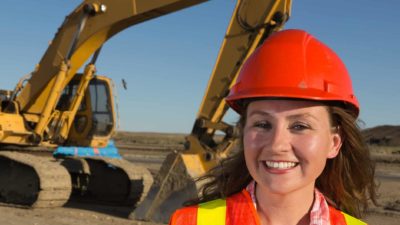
column 299, row 126
column 263, row 125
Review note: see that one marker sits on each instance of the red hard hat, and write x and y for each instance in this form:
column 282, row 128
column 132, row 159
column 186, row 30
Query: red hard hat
column 293, row 64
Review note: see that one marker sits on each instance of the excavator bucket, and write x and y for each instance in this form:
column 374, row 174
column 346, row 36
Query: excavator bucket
column 172, row 186
column 176, row 182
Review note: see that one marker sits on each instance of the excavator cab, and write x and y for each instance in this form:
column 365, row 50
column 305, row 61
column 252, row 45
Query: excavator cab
column 94, row 122
column 4, row 100
column 4, row 95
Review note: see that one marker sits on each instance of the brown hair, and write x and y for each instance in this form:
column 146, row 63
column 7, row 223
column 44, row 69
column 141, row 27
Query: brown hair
column 347, row 180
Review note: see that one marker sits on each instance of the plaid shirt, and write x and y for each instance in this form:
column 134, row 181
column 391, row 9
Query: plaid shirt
column 319, row 214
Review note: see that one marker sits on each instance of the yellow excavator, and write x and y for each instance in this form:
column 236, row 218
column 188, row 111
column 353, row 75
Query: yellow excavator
column 57, row 107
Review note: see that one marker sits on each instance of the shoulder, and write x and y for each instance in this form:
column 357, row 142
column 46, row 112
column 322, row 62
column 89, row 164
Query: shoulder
column 240, row 199
column 235, row 208
column 241, row 209
column 338, row 217
column 207, row 212
column 186, row 215
column 210, row 212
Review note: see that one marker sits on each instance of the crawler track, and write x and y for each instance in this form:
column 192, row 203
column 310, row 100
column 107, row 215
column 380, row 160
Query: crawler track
column 33, row 178
column 108, row 180
column 33, row 181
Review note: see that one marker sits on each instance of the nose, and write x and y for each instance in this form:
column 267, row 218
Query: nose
column 279, row 140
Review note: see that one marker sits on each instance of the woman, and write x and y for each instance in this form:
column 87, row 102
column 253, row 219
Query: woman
column 306, row 162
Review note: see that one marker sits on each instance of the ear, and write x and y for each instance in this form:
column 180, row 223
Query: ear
column 335, row 145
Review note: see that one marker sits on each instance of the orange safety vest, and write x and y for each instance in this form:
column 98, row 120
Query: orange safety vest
column 239, row 209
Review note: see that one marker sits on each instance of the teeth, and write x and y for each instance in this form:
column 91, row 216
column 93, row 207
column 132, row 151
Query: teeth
column 280, row 165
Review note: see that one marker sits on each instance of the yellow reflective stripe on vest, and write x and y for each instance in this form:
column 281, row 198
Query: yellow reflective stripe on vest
column 212, row 212
column 352, row 220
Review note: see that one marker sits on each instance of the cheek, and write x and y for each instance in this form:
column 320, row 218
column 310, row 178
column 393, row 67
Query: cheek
column 248, row 145
column 313, row 142
column 307, row 143
column 250, row 156
column 312, row 148
column 252, row 144
column 253, row 139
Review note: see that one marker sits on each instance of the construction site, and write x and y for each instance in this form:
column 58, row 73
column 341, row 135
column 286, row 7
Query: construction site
column 65, row 160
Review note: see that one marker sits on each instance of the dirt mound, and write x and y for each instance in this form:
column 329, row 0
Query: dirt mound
column 149, row 138
column 387, row 135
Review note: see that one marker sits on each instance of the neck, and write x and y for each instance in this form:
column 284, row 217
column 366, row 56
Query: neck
column 287, row 208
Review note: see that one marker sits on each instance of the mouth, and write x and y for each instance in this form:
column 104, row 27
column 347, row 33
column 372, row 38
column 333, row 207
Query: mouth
column 281, row 165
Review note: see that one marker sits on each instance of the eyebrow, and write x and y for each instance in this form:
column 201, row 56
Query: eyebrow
column 259, row 112
column 302, row 115
column 295, row 116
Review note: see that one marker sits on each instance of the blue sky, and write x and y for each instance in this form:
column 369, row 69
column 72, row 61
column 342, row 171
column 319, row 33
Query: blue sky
column 167, row 61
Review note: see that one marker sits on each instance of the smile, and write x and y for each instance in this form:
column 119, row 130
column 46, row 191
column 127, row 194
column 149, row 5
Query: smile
column 280, row 165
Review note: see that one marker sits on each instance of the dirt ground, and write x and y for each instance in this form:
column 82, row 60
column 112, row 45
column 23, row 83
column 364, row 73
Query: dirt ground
column 387, row 175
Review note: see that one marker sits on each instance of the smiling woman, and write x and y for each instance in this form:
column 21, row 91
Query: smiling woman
column 302, row 159
column 287, row 144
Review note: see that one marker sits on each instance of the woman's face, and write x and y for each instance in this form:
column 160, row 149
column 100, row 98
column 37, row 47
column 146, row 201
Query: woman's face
column 287, row 143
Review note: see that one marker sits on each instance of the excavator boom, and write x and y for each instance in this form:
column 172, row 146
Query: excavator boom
column 84, row 31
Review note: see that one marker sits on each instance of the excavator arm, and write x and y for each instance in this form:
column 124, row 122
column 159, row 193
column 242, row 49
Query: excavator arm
column 251, row 23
